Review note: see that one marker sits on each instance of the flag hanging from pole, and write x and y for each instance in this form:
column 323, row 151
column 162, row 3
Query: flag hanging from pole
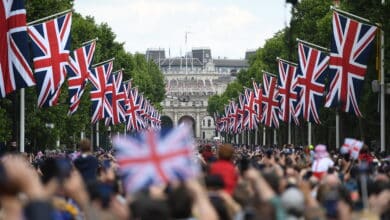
column 270, row 101
column 311, row 73
column 350, row 48
column 118, row 97
column 101, row 93
column 50, row 47
column 78, row 71
column 15, row 70
column 288, row 96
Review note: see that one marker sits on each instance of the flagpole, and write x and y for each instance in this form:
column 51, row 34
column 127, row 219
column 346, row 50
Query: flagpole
column 309, row 133
column 275, row 142
column 289, row 133
column 97, row 134
column 324, row 49
column 90, row 41
column 49, row 17
column 354, row 16
column 337, row 129
column 264, row 136
column 21, row 120
column 286, row 61
column 103, row 62
column 383, row 88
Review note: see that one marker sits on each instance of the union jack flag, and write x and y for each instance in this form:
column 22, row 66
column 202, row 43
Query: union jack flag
column 258, row 93
column 118, row 97
column 133, row 106
column 50, row 46
column 101, row 92
column 251, row 120
column 233, row 117
column 312, row 69
column 288, row 96
column 155, row 160
column 15, row 70
column 78, row 71
column 350, row 48
column 241, row 113
column 270, row 101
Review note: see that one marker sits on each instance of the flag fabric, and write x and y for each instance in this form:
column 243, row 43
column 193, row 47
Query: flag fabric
column 155, row 160
column 311, row 73
column 133, row 106
column 240, row 114
column 288, row 96
column 50, row 47
column 118, row 97
column 233, row 118
column 270, row 101
column 250, row 119
column 101, row 92
column 78, row 71
column 353, row 147
column 258, row 94
column 350, row 48
column 15, row 70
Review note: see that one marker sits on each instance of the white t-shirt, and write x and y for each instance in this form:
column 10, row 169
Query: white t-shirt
column 322, row 164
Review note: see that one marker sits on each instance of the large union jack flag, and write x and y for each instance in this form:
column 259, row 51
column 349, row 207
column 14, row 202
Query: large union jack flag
column 312, row 70
column 15, row 70
column 155, row 160
column 288, row 96
column 350, row 48
column 78, row 71
column 101, row 93
column 50, row 46
column 258, row 94
column 118, row 98
column 270, row 101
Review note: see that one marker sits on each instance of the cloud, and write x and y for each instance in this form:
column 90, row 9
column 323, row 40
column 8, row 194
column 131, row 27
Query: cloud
column 228, row 29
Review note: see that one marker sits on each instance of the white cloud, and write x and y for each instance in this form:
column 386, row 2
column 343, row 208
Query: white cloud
column 228, row 29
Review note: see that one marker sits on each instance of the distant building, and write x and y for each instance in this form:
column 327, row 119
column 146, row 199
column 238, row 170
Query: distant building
column 155, row 54
column 249, row 53
column 190, row 81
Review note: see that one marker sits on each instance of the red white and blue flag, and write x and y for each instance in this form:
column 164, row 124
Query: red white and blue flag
column 133, row 106
column 240, row 114
column 101, row 93
column 118, row 98
column 156, row 160
column 258, row 94
column 311, row 73
column 270, row 101
column 15, row 70
column 350, row 48
column 78, row 71
column 288, row 96
column 50, row 46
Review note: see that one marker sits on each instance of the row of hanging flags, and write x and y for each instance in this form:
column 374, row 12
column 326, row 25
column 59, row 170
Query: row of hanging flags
column 112, row 100
column 299, row 91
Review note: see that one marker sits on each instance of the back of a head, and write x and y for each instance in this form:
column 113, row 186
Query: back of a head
column 85, row 145
column 225, row 152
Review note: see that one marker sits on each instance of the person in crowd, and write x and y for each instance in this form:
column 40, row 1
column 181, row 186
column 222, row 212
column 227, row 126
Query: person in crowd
column 322, row 162
column 86, row 163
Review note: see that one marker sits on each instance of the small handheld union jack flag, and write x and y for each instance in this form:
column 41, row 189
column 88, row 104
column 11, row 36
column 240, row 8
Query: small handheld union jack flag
column 50, row 45
column 155, row 160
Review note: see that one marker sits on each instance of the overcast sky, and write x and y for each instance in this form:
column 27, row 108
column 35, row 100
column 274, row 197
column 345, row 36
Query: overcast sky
column 227, row 27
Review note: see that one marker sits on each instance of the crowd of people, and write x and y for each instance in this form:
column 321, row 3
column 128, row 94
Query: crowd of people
column 236, row 182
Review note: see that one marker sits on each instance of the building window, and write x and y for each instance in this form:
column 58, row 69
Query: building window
column 204, row 135
column 209, row 123
column 204, row 123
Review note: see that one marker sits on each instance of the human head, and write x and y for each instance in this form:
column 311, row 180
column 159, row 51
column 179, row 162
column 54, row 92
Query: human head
column 85, row 145
column 225, row 152
column 320, row 151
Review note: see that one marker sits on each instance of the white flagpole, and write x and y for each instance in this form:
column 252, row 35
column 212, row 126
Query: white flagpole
column 309, row 133
column 289, row 133
column 275, row 142
column 264, row 136
column 22, row 107
column 383, row 88
column 97, row 134
column 337, row 129
column 49, row 17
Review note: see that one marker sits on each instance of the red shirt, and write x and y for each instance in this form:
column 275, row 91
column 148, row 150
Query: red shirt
column 228, row 173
